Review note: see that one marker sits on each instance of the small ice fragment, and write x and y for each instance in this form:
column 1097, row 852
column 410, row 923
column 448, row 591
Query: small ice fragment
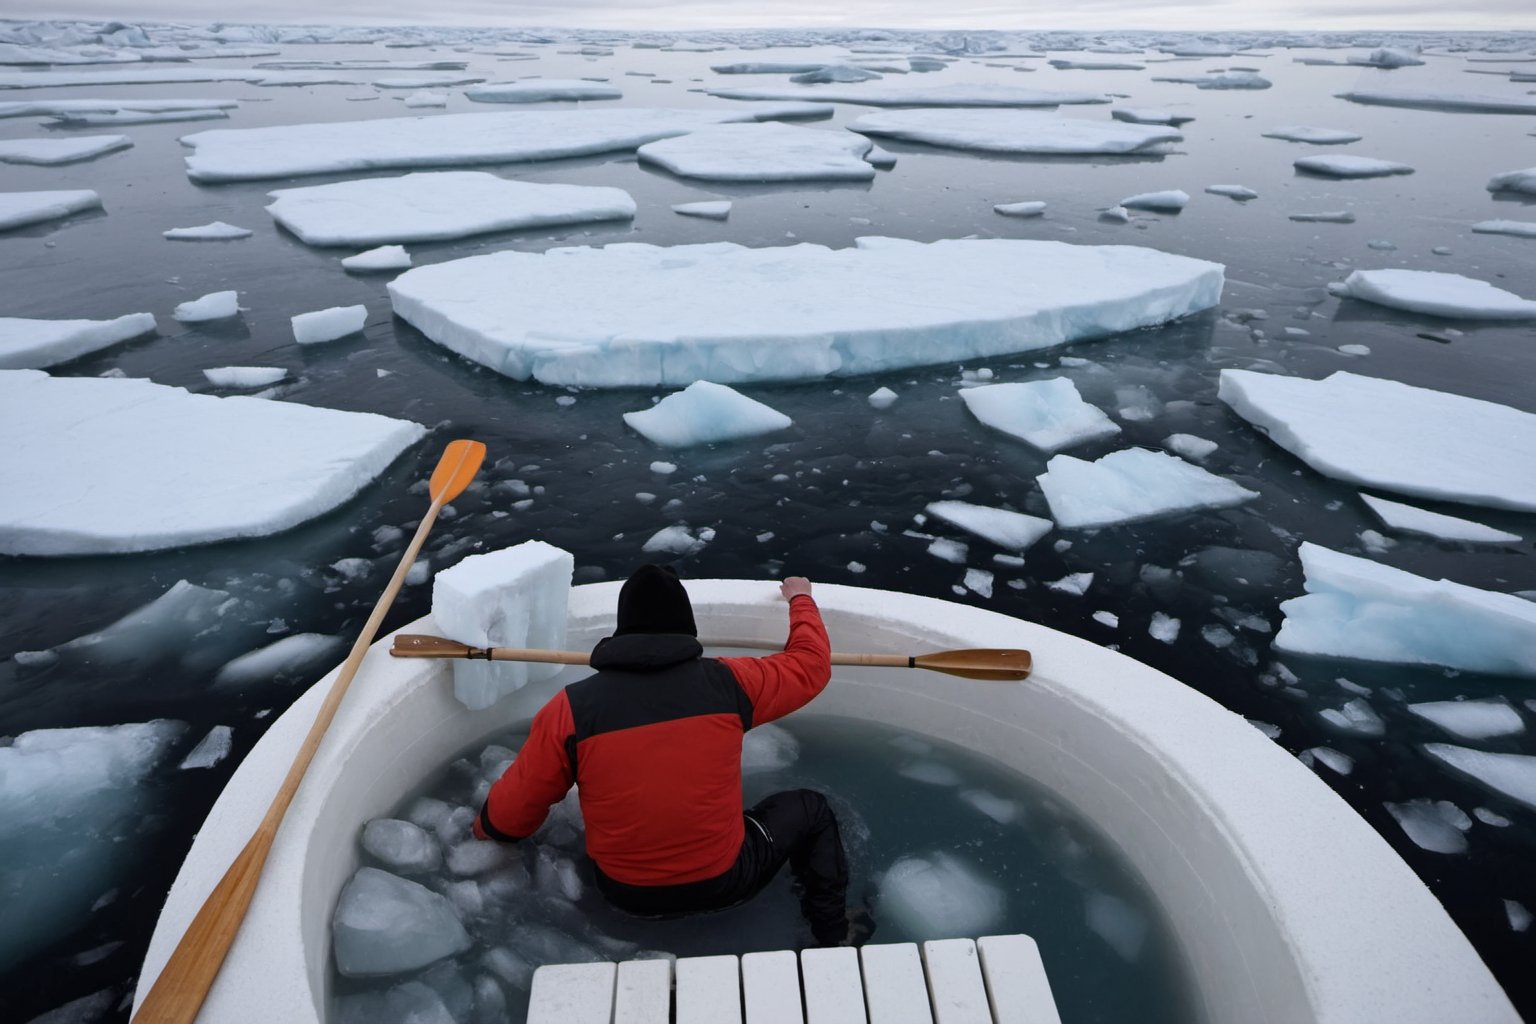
column 1516, row 228
column 328, row 324
column 1329, row 217
column 933, row 773
column 402, row 846
column 244, row 376
column 1076, row 583
column 292, row 657
column 1163, row 627
column 705, row 413
column 1356, row 717
column 1342, row 764
column 1472, row 719
column 385, row 924
column 948, row 550
column 664, row 468
column 1031, row 208
column 1049, row 414
column 384, row 257
column 1315, row 136
column 1513, row 775
column 216, row 231
column 1217, row 636
column 1190, row 446
column 1267, row 728
column 1109, row 619
column 711, row 209
column 1519, row 916
column 426, row 98
column 1409, row 519
column 979, row 581
column 1355, row 350
column 1115, row 214
column 213, row 306
column 1013, row 531
column 678, row 540
column 210, row 750
column 1436, row 826
column 1349, row 166
column 1239, row 192
column 474, row 857
column 1376, row 543
column 1168, row 201
column 940, row 896
column 1121, row 926
column 882, row 398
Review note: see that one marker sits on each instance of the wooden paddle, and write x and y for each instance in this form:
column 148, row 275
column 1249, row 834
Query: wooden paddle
column 1001, row 664
column 184, row 981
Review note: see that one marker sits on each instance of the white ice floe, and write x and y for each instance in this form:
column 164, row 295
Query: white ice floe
column 1049, row 414
column 1193, row 448
column 705, row 413
column 301, row 657
column 957, row 95
column 514, row 597
column 762, row 152
column 1517, row 228
column 940, row 896
column 385, row 924
column 426, row 98
column 1220, row 80
column 1016, row 131
column 542, row 90
column 49, row 152
column 436, row 206
column 1396, row 437
column 882, row 398
column 1316, row 136
column 125, row 116
column 417, row 81
column 1513, row 775
column 402, row 846
column 1163, row 627
column 1514, row 181
column 1144, row 115
column 1029, row 208
column 1435, row 293
column 633, row 313
column 244, row 376
column 213, row 306
column 1433, row 825
column 1466, row 103
column 37, row 344
column 239, row 467
column 1356, row 717
column 1472, row 719
column 1326, row 217
column 215, row 231
column 678, row 540
column 18, row 209
column 1347, row 166
column 210, row 750
column 1075, row 583
column 442, row 140
column 834, row 73
column 1357, row 608
column 1343, row 764
column 1169, row 201
column 1387, row 57
column 1242, row 193
column 385, row 257
column 709, row 209
column 323, row 325
column 1013, row 531
column 1116, row 214
column 113, row 105
column 1129, row 485
column 1408, row 519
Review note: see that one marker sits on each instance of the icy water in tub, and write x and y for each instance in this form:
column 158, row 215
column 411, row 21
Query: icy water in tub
column 991, row 854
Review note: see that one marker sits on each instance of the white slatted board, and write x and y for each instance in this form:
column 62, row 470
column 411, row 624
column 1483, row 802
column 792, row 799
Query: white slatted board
column 708, row 990
column 895, row 990
column 770, row 985
column 834, row 991
column 1016, row 981
column 644, row 992
column 572, row 994
column 954, row 982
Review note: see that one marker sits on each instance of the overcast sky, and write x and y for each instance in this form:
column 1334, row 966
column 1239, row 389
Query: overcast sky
column 673, row 15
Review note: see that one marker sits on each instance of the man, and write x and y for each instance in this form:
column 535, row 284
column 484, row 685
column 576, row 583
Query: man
column 653, row 741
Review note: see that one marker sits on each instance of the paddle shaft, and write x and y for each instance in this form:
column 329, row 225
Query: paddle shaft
column 581, row 658
column 183, row 984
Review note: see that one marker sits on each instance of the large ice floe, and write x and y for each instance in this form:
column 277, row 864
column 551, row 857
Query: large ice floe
column 50, row 152
column 1435, row 293
column 633, row 313
column 247, row 154
column 763, row 152
column 35, row 344
column 437, row 205
column 1453, row 102
column 1130, row 485
column 238, row 467
column 1016, row 131
column 1345, row 165
column 1409, row 519
column 1393, row 436
column 1513, row 775
column 1356, row 608
column 957, row 95
column 18, row 209
column 541, row 90
column 114, row 106
column 1514, row 181
column 705, row 413
column 1049, row 414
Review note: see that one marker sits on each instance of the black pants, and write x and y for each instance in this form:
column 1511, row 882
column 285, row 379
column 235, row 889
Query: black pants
column 796, row 826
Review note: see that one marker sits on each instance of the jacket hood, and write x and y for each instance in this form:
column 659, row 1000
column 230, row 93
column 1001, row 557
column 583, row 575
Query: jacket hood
column 645, row 652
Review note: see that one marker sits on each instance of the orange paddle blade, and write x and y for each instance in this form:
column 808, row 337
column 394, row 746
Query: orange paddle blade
column 980, row 663
column 458, row 466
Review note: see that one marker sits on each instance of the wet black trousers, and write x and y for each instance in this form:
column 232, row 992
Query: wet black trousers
column 796, row 827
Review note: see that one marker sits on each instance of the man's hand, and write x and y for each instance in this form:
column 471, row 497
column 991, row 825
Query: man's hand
column 794, row 586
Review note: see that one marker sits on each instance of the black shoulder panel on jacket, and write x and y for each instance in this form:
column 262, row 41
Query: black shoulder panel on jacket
column 613, row 700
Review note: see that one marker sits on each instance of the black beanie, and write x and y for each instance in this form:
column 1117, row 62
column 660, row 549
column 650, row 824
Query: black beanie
column 653, row 600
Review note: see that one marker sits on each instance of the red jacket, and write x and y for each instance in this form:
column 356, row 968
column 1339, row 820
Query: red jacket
column 653, row 741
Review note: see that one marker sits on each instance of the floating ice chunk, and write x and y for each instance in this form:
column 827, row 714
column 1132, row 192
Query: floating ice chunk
column 834, row 73
column 401, row 846
column 1519, row 917
column 1387, row 57
column 710, row 209
column 1327, row 217
column 426, row 98
column 385, row 257
column 442, row 140
column 1513, row 775
column 1117, row 214
column 1131, row 484
column 51, row 152
column 1220, row 80
column 1355, row 350
column 474, row 857
column 1076, row 583
column 940, row 896
column 240, row 467
column 420, row 81
column 1122, row 927
column 1170, row 201
column 1409, row 519
column 1343, row 764
column 999, row 809
column 882, row 398
column 35, row 344
column 18, row 209
column 1163, row 627
column 1014, row 131
column 328, row 324
column 1049, row 414
column 1356, row 717
column 1356, row 608
column 216, row 231
column 1013, row 531
column 1472, row 719
column 542, row 90
column 299, row 656
column 385, row 924
column 1347, row 166
column 1517, row 228
column 1359, row 429
column 1435, row 293
column 768, row 748
column 633, row 313
column 762, row 152
column 1109, row 619
column 932, row 773
column 1315, row 136
column 1436, row 826
column 1196, row 449
column 949, row 551
column 1514, row 181
column 1031, row 208
column 1145, row 115
column 1095, row 65
column 126, row 107
column 413, row 1001
column 515, row 597
column 978, row 581
column 210, row 750
column 881, row 158
column 213, row 306
column 1464, row 103
column 705, row 413
column 1242, row 193
column 438, row 205
column 958, row 95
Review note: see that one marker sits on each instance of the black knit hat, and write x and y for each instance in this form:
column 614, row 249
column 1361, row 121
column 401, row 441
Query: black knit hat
column 653, row 600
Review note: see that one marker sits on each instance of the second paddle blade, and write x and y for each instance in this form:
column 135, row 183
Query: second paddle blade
column 999, row 663
column 458, row 466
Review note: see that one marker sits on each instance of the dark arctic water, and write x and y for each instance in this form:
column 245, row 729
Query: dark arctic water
column 832, row 497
